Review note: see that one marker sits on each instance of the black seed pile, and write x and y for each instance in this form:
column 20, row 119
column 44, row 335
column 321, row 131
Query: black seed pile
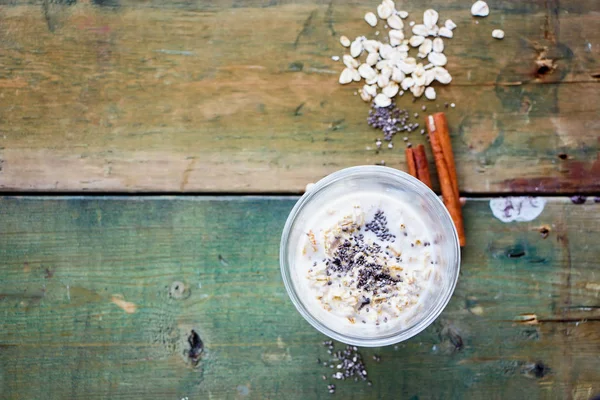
column 347, row 363
column 390, row 120
column 379, row 227
column 349, row 258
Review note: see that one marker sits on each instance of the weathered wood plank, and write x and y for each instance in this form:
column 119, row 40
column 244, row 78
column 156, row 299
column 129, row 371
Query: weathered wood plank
column 68, row 264
column 180, row 97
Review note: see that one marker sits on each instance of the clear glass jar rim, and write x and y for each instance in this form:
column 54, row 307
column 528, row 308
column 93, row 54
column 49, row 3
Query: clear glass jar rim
column 346, row 173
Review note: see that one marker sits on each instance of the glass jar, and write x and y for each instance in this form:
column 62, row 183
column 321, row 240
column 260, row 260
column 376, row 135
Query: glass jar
column 386, row 181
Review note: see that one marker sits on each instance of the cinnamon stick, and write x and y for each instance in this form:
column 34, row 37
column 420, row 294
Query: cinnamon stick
column 422, row 166
column 444, row 163
column 444, row 135
column 410, row 160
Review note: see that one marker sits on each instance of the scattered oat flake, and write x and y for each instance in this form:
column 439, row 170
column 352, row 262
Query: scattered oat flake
column 480, row 9
column 371, row 19
column 498, row 34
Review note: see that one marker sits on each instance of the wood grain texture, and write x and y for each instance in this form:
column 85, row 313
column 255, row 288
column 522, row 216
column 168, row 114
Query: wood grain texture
column 98, row 296
column 239, row 96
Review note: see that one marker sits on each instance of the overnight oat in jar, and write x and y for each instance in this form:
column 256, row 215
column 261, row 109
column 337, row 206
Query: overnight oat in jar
column 370, row 256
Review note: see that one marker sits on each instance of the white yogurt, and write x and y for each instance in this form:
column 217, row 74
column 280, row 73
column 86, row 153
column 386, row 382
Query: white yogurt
column 366, row 263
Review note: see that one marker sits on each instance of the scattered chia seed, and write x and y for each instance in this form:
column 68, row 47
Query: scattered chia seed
column 349, row 363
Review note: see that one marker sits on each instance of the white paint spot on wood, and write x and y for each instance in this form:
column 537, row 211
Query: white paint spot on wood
column 593, row 286
column 527, row 319
column 243, row 390
column 127, row 306
column 280, row 343
column 477, row 310
column 519, row 209
column 176, row 52
column 275, row 357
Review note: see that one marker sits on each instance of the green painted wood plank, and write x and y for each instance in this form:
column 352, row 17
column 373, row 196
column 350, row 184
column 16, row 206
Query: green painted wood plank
column 67, row 265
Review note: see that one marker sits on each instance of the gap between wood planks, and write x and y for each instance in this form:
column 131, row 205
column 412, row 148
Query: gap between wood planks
column 91, row 193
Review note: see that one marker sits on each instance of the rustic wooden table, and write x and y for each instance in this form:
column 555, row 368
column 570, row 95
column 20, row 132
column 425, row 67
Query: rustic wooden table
column 111, row 110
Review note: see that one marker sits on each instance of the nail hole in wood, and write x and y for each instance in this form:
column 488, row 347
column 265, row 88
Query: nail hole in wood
column 178, row 290
column 196, row 347
column 542, row 70
column 540, row 370
column 516, row 253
